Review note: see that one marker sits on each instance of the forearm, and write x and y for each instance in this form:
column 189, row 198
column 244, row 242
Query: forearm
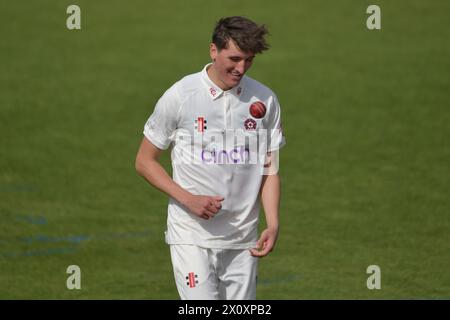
column 157, row 176
column 270, row 197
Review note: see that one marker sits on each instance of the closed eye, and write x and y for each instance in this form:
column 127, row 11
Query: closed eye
column 237, row 59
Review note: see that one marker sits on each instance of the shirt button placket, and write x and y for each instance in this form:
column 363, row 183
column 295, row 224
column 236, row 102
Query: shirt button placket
column 228, row 124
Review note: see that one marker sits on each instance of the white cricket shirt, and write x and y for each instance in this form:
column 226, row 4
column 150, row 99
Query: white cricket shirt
column 199, row 121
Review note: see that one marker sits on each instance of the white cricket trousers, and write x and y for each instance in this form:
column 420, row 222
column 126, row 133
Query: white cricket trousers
column 214, row 274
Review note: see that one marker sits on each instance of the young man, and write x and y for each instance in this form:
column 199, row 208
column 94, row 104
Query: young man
column 218, row 176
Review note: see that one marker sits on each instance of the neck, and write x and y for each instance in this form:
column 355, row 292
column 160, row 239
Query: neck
column 212, row 74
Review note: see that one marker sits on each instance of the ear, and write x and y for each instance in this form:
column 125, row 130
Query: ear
column 213, row 51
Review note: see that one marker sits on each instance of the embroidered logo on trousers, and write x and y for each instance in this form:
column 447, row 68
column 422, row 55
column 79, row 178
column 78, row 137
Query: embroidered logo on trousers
column 192, row 279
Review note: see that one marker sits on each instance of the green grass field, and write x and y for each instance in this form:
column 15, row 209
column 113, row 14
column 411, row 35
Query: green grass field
column 365, row 171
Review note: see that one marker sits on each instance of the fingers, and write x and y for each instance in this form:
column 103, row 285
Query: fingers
column 209, row 212
column 215, row 204
column 218, row 201
column 264, row 246
column 214, row 207
column 261, row 253
column 210, row 206
column 257, row 250
column 256, row 253
column 205, row 216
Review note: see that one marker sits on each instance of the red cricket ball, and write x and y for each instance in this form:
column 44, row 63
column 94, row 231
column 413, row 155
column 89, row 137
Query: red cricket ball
column 257, row 110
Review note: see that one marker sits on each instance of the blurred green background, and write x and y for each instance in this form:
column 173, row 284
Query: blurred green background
column 365, row 171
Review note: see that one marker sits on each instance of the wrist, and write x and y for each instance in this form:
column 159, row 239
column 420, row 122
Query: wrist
column 184, row 197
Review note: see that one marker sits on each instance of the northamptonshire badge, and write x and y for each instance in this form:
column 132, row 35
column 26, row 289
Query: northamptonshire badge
column 250, row 124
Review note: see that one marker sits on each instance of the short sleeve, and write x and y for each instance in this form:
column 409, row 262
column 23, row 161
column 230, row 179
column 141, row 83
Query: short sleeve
column 163, row 121
column 275, row 134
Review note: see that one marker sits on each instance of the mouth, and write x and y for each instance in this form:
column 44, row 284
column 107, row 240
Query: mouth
column 236, row 76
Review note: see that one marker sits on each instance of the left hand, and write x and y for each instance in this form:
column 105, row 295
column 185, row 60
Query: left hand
column 266, row 243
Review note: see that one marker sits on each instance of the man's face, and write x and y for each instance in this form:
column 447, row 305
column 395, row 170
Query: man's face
column 230, row 64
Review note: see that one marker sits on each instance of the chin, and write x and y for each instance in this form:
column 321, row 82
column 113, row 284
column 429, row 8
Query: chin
column 233, row 83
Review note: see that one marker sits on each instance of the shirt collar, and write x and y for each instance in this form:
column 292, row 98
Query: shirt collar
column 213, row 90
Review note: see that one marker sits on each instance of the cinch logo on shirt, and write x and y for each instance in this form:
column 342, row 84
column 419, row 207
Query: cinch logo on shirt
column 226, row 146
column 236, row 155
column 200, row 124
column 192, row 279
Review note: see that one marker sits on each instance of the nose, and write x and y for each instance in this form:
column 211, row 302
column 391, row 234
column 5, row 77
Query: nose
column 240, row 66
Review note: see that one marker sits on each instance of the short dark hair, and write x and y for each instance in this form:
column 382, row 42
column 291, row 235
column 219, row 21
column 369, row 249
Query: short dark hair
column 247, row 35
